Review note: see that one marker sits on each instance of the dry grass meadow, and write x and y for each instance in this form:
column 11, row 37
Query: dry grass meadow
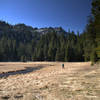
column 48, row 81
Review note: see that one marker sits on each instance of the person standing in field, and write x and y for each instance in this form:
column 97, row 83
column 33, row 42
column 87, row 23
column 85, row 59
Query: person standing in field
column 63, row 66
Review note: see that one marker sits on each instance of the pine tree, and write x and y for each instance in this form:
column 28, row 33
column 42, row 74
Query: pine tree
column 66, row 54
column 96, row 15
column 58, row 55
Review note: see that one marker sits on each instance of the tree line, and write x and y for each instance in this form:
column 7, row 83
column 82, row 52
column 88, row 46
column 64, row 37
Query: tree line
column 23, row 43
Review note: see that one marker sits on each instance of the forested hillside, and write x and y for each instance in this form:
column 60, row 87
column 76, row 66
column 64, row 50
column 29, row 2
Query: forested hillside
column 25, row 43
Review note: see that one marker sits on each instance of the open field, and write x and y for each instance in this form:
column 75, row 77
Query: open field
column 48, row 81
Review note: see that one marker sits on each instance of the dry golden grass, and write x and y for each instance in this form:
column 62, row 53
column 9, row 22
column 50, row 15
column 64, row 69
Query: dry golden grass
column 48, row 81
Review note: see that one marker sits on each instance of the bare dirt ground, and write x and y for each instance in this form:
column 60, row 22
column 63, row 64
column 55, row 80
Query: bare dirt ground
column 48, row 81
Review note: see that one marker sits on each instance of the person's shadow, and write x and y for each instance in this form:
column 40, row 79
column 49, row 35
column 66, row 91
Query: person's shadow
column 24, row 71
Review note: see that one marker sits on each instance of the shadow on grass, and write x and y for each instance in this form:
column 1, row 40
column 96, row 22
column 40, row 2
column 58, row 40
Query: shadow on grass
column 24, row 71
